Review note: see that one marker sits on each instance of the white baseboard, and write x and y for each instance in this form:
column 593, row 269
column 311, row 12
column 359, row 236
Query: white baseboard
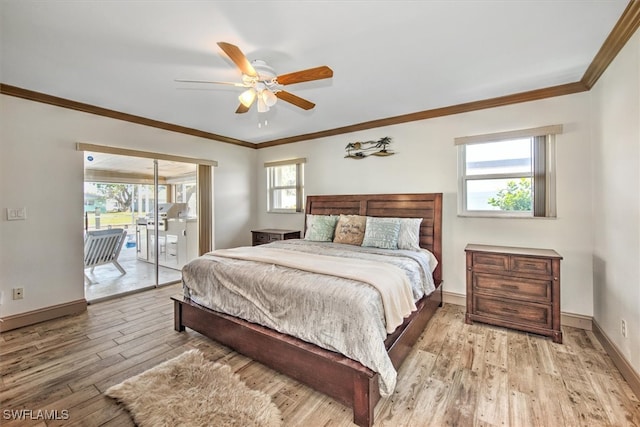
column 454, row 298
column 566, row 319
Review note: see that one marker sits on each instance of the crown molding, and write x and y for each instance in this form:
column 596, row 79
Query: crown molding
column 624, row 29
column 517, row 98
column 113, row 114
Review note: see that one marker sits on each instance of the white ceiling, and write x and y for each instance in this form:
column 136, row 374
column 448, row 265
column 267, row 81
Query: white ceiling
column 389, row 58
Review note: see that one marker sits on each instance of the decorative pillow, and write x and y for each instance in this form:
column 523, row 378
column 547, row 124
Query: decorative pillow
column 320, row 228
column 381, row 232
column 409, row 237
column 350, row 229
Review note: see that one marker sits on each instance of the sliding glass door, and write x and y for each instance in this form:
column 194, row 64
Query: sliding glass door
column 156, row 203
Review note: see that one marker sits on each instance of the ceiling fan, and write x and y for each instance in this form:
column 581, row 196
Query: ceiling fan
column 263, row 84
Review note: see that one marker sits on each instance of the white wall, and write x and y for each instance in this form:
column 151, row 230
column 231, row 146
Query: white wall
column 616, row 177
column 426, row 161
column 41, row 170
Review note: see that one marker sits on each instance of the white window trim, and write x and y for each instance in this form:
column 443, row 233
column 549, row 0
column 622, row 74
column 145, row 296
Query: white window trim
column 299, row 187
column 513, row 134
column 550, row 170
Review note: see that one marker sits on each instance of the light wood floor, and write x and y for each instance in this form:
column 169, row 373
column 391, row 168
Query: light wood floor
column 457, row 375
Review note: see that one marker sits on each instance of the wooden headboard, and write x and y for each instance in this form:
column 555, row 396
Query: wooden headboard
column 427, row 206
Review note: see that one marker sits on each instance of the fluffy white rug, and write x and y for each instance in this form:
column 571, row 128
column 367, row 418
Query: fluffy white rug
column 189, row 390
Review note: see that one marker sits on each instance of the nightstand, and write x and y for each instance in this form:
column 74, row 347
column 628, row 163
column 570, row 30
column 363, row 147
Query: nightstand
column 268, row 235
column 516, row 288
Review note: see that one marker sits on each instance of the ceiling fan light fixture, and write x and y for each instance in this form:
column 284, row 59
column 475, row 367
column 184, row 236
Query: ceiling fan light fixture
column 269, row 98
column 262, row 105
column 247, row 97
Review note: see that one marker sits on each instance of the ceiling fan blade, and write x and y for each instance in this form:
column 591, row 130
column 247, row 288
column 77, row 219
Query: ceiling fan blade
column 211, row 82
column 242, row 109
column 316, row 73
column 295, row 100
column 238, row 58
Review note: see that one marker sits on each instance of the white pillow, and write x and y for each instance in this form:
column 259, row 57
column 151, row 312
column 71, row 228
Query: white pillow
column 409, row 237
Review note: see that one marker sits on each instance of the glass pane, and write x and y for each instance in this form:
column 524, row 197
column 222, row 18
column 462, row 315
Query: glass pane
column 512, row 194
column 112, row 204
column 143, row 199
column 284, row 199
column 177, row 230
column 284, row 176
column 512, row 156
column 119, row 205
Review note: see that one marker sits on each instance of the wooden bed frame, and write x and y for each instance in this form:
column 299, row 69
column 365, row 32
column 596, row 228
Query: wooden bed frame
column 333, row 374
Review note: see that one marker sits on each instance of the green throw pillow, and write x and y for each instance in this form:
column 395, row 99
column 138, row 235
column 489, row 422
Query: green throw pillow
column 320, row 228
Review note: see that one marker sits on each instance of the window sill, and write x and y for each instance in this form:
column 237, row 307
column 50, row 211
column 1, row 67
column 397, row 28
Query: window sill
column 503, row 216
column 284, row 212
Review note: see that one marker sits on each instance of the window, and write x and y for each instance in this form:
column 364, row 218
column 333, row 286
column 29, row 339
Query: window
column 285, row 185
column 186, row 192
column 508, row 174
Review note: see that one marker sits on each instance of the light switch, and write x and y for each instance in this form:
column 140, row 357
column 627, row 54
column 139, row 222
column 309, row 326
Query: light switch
column 16, row 214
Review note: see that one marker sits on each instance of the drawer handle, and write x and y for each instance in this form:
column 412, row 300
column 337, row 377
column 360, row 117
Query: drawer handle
column 509, row 310
column 508, row 286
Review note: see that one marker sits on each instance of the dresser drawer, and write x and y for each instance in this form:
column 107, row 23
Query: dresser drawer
column 513, row 287
column 490, row 262
column 530, row 265
column 260, row 238
column 274, row 237
column 513, row 311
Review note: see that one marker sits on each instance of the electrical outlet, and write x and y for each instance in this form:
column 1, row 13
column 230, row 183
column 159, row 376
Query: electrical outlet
column 18, row 293
column 623, row 327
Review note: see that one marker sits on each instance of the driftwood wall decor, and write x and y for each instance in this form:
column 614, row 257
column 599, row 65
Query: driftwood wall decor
column 360, row 150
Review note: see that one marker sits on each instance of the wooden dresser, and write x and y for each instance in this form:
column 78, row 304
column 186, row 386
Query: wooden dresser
column 516, row 288
column 268, row 235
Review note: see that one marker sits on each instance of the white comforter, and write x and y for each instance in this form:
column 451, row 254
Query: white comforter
column 336, row 313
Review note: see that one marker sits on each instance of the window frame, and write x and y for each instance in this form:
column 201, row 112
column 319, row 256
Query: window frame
column 298, row 186
column 542, row 174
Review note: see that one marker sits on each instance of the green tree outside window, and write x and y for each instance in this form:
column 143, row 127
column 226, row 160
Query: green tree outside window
column 516, row 197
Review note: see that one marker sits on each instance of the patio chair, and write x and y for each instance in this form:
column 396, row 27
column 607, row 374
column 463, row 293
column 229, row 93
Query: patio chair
column 103, row 247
